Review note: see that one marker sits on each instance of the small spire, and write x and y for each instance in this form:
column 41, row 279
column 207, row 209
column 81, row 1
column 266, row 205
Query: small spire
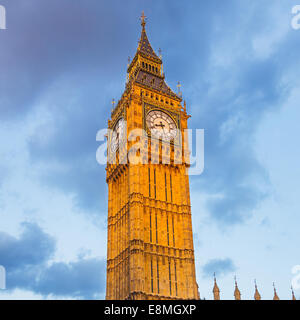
column 275, row 293
column 178, row 86
column 293, row 294
column 184, row 106
column 113, row 104
column 237, row 293
column 256, row 294
column 143, row 19
column 160, row 53
column 216, row 290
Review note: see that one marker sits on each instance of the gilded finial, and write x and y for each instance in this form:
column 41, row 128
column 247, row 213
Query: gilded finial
column 178, row 87
column 257, row 295
column 275, row 293
column 160, row 53
column 216, row 290
column 184, row 106
column 237, row 293
column 113, row 104
column 143, row 19
column 293, row 294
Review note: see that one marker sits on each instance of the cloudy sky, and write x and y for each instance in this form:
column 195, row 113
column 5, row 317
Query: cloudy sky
column 61, row 64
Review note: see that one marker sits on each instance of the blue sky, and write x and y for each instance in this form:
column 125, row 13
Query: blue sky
column 61, row 64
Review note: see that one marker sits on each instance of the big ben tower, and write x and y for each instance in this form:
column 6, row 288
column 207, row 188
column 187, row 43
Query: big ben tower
column 150, row 252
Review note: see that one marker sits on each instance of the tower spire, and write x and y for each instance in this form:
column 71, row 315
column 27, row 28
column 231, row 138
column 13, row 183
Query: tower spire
column 293, row 294
column 237, row 292
column 257, row 295
column 275, row 293
column 216, row 290
column 144, row 44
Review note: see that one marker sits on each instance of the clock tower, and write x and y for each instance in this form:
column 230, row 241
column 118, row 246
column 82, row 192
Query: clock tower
column 150, row 252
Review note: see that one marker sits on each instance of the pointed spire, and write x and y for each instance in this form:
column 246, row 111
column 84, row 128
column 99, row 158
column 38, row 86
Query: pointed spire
column 293, row 294
column 144, row 44
column 237, row 292
column 257, row 295
column 275, row 293
column 160, row 53
column 216, row 290
column 143, row 19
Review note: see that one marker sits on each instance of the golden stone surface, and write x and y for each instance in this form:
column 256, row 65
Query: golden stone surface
column 150, row 251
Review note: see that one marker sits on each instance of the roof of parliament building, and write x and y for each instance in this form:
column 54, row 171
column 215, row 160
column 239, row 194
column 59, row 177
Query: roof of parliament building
column 237, row 293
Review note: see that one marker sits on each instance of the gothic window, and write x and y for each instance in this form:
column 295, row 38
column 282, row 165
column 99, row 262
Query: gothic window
column 154, row 184
column 168, row 229
column 149, row 179
column 156, row 231
column 157, row 265
column 170, row 278
column 175, row 277
column 150, row 218
column 171, row 187
column 166, row 190
column 173, row 230
column 151, row 266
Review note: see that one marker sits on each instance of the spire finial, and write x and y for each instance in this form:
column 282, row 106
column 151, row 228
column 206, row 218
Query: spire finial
column 216, row 290
column 237, row 293
column 256, row 294
column 143, row 19
column 113, row 104
column 179, row 87
column 275, row 293
column 160, row 53
column 293, row 294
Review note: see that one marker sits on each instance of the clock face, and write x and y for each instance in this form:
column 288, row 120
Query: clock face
column 161, row 125
column 117, row 135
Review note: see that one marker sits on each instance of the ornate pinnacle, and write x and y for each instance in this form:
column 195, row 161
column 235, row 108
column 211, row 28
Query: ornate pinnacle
column 143, row 19
column 160, row 53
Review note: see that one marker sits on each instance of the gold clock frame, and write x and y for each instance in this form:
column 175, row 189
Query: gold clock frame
column 147, row 107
